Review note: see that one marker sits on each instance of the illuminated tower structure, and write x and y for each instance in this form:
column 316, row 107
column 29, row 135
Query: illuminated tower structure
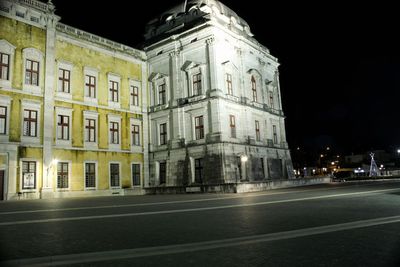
column 215, row 110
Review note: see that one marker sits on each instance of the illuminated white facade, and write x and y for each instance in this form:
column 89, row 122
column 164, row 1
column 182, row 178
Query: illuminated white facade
column 215, row 107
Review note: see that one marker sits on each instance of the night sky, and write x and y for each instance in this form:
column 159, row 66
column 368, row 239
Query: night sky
column 340, row 62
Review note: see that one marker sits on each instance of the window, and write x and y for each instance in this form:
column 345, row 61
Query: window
column 90, row 175
column 114, row 175
column 90, row 130
column 134, row 95
column 136, row 174
column 90, row 86
column 198, row 171
column 262, row 167
column 229, row 83
column 257, row 124
column 62, row 175
column 275, row 134
column 271, row 99
column 114, row 91
column 4, row 66
column 28, row 175
column 64, row 80
column 254, row 88
column 30, row 123
column 114, row 132
column 62, row 127
column 232, row 125
column 199, row 127
column 162, row 98
column 163, row 134
column 32, row 72
column 197, row 84
column 163, row 172
column 3, row 120
column 135, row 135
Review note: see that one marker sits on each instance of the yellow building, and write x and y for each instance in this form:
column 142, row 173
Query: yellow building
column 72, row 107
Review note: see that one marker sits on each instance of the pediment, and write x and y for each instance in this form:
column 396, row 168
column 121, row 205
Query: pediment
column 156, row 76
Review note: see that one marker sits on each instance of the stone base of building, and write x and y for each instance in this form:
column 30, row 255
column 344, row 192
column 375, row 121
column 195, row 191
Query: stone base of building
column 242, row 187
column 71, row 194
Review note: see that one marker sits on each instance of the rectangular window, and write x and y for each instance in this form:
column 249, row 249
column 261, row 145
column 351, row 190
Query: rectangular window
column 28, row 175
column 114, row 132
column 4, row 66
column 62, row 127
column 163, row 172
column 114, row 87
column 136, row 174
column 262, row 167
column 90, row 175
column 197, row 84
column 114, row 174
column 199, row 127
column 198, row 171
column 90, row 86
column 30, row 123
column 258, row 138
column 232, row 125
column 64, row 80
column 254, row 88
column 134, row 95
column 62, row 175
column 163, row 134
column 162, row 98
column 3, row 120
column 271, row 99
column 275, row 134
column 135, row 135
column 229, row 84
column 90, row 128
column 32, row 72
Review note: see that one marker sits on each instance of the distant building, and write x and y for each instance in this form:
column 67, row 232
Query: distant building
column 82, row 115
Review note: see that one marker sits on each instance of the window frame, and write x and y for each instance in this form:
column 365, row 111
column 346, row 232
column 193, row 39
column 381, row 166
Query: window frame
column 33, row 55
column 257, row 129
column 110, row 175
column 114, row 120
column 89, row 73
column 254, row 88
column 140, row 174
column 197, row 89
column 89, row 115
column 22, row 178
column 163, row 136
column 199, row 168
column 86, row 188
column 232, row 125
column 229, row 83
column 7, row 49
column 114, row 79
column 5, row 66
column 33, row 106
column 199, row 128
column 69, row 164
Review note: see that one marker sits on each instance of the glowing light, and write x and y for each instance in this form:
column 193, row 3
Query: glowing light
column 244, row 158
column 332, row 163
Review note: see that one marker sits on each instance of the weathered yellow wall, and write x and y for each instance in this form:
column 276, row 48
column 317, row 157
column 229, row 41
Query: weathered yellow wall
column 3, row 160
column 83, row 57
column 16, row 114
column 103, row 159
column 22, row 36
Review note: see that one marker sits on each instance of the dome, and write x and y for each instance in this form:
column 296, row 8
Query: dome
column 194, row 11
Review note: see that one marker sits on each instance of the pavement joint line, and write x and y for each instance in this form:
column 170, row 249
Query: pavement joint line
column 13, row 223
column 102, row 256
column 168, row 202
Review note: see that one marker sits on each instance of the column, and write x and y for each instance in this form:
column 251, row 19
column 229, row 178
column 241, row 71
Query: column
column 49, row 166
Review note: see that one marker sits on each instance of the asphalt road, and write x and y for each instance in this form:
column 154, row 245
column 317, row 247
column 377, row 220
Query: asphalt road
column 342, row 224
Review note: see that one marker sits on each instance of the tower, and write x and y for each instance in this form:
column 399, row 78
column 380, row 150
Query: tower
column 215, row 113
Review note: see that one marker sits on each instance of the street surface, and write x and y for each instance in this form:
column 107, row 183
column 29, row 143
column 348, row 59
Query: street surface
column 340, row 224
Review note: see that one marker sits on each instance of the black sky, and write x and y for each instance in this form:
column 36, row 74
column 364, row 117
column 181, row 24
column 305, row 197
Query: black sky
column 340, row 62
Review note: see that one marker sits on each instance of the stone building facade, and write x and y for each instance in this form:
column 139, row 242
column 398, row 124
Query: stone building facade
column 81, row 115
column 215, row 110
